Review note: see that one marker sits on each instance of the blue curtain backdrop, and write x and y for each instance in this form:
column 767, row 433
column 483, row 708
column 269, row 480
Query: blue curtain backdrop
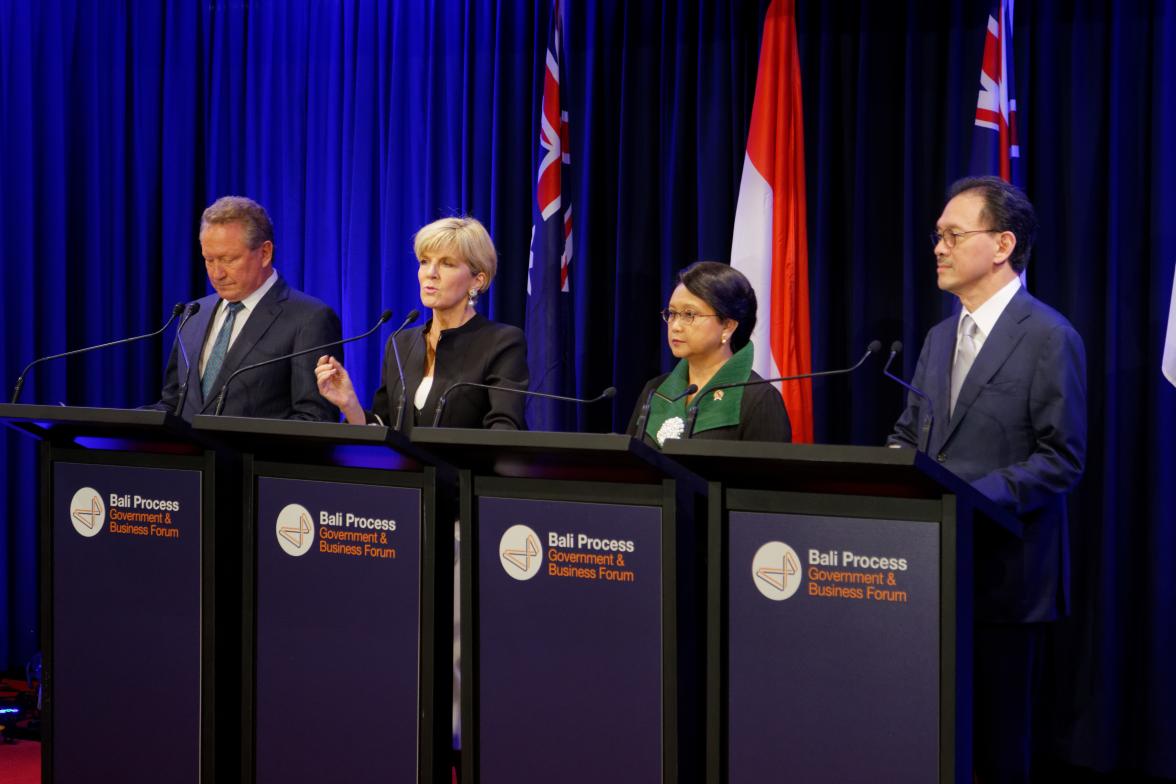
column 356, row 122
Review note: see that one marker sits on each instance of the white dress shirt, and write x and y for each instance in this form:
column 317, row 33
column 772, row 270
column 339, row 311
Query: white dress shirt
column 987, row 315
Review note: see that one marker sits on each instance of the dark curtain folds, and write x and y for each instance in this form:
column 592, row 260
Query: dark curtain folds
column 357, row 122
column 890, row 92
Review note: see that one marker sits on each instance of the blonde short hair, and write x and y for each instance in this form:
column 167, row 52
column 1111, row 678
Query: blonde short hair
column 463, row 237
column 239, row 209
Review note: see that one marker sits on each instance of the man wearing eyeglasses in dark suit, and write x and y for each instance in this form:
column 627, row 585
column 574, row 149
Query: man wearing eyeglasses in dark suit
column 1007, row 381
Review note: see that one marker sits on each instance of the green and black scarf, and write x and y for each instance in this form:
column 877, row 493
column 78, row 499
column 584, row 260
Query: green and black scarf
column 718, row 408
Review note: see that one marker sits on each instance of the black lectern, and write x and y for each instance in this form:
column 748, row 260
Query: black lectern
column 347, row 603
column 840, row 646
column 581, row 608
column 128, row 529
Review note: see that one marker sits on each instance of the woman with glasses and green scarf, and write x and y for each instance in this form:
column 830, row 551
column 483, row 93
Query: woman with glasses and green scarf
column 709, row 321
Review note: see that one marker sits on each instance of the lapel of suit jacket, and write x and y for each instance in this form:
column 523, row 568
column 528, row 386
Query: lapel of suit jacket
column 192, row 337
column 260, row 320
column 1006, row 334
column 449, row 372
column 412, row 358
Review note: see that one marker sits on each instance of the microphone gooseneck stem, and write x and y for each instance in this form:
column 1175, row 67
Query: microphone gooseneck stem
column 400, row 404
column 643, row 417
column 874, row 347
column 193, row 309
column 177, row 310
column 403, row 396
column 220, row 400
column 929, row 419
column 605, row 395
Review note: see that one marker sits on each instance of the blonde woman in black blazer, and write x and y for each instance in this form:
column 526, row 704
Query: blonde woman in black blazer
column 456, row 263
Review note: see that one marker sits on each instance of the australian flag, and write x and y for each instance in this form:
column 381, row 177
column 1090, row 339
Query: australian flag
column 994, row 141
column 549, row 326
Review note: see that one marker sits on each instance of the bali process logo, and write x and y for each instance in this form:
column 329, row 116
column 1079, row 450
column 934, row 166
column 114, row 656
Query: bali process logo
column 775, row 569
column 520, row 553
column 87, row 512
column 295, row 530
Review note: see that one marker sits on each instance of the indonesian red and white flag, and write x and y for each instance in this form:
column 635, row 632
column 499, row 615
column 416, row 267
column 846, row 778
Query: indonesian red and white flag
column 770, row 243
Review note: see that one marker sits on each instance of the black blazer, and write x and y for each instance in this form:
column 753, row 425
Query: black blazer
column 480, row 350
column 762, row 416
column 284, row 321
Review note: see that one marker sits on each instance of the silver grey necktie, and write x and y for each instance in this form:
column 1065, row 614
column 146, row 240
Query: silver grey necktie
column 965, row 356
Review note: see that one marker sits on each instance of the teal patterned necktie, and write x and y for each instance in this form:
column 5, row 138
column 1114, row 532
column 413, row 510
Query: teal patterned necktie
column 219, row 349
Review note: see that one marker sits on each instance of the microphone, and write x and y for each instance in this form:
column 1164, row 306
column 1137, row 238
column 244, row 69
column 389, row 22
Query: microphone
column 605, row 395
column 412, row 316
column 193, row 309
column 874, row 347
column 220, row 400
column 644, row 416
column 925, row 435
column 177, row 310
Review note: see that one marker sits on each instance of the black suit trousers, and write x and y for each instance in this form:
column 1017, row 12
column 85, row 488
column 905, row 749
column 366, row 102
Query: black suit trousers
column 1007, row 700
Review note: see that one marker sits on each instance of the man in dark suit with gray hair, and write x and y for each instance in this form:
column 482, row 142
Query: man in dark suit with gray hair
column 1007, row 381
column 253, row 316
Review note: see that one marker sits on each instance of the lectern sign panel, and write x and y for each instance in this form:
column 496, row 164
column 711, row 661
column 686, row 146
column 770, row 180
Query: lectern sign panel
column 338, row 631
column 570, row 659
column 126, row 623
column 833, row 646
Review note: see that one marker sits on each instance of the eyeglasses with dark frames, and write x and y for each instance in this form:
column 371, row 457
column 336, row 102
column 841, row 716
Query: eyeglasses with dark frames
column 951, row 238
column 686, row 317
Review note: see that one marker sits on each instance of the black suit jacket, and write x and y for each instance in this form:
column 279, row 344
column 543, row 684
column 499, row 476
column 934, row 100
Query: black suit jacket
column 284, row 321
column 1018, row 435
column 481, row 351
